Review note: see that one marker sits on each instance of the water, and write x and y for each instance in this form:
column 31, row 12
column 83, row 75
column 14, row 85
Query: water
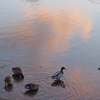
column 41, row 36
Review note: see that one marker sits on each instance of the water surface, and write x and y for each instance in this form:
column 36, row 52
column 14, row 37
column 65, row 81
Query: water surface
column 41, row 36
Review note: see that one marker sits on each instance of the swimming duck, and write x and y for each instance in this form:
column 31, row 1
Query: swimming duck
column 58, row 74
column 31, row 86
column 7, row 80
column 18, row 71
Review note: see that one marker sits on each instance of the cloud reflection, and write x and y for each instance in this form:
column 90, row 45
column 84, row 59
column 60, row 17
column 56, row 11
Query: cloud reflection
column 33, row 1
column 55, row 27
column 46, row 31
column 95, row 1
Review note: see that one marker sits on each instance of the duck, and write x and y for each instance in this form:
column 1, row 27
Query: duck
column 31, row 86
column 58, row 74
column 8, row 80
column 18, row 71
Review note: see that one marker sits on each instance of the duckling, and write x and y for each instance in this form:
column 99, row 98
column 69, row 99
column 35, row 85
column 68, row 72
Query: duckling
column 58, row 74
column 8, row 80
column 18, row 71
column 31, row 86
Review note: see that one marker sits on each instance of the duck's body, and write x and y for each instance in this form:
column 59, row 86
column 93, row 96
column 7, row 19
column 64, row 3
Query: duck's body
column 31, row 86
column 8, row 80
column 18, row 71
column 58, row 74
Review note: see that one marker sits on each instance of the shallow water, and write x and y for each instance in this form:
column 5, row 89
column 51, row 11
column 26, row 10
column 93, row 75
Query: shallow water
column 41, row 36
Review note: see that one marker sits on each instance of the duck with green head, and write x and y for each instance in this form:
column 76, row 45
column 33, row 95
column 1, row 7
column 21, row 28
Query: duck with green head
column 58, row 74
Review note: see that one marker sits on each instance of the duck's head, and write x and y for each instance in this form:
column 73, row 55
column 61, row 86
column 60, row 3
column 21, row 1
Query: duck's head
column 63, row 68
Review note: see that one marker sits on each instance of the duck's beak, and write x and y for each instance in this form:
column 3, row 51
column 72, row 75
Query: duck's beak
column 65, row 69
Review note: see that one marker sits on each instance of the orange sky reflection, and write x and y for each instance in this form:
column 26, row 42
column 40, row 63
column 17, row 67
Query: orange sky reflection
column 53, row 28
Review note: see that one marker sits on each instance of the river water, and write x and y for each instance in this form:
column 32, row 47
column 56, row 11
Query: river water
column 41, row 36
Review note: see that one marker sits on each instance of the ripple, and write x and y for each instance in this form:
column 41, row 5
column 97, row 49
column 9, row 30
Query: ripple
column 73, row 86
column 2, row 98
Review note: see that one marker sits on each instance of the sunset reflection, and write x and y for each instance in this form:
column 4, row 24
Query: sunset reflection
column 81, row 82
column 55, row 28
column 87, row 29
column 41, row 36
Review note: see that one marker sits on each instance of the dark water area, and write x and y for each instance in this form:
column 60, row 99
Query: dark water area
column 41, row 36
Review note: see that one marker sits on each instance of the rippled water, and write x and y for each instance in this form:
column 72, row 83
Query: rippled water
column 41, row 36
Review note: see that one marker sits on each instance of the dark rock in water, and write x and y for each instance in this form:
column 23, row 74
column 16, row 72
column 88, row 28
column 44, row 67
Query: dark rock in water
column 98, row 68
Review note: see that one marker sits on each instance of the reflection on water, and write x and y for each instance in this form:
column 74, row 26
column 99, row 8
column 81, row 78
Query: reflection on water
column 9, row 87
column 17, row 78
column 95, row 1
column 58, row 83
column 51, row 38
column 3, row 98
column 32, row 0
column 50, row 34
column 31, row 93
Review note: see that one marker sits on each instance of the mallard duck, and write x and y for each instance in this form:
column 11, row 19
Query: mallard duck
column 58, row 74
column 8, row 80
column 31, row 86
column 18, row 71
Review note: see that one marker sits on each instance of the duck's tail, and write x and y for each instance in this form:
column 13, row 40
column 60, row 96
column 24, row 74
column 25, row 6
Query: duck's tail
column 22, row 75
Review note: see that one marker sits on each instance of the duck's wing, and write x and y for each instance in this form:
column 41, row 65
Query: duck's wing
column 31, row 86
column 57, row 75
